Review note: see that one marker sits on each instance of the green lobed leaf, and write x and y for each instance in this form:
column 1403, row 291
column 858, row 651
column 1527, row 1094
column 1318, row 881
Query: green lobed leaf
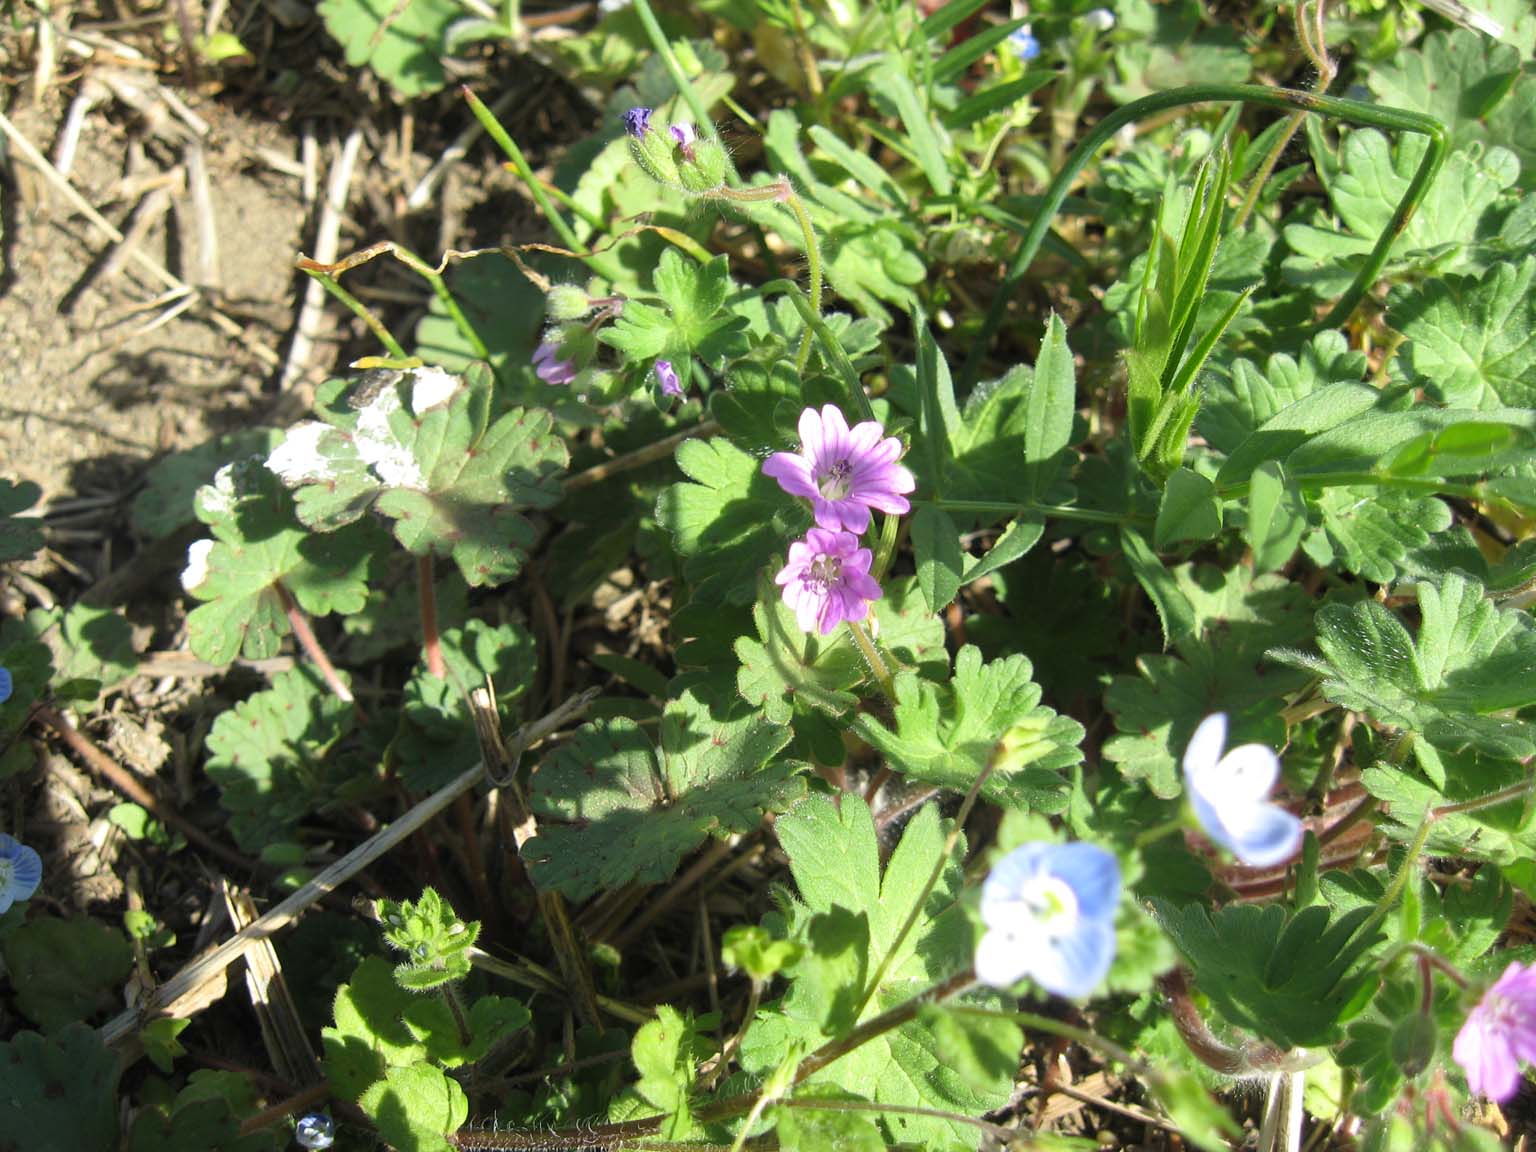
column 170, row 485
column 946, row 734
column 1190, row 510
column 1472, row 339
column 1293, row 979
column 727, row 520
column 271, row 756
column 1218, row 665
column 631, row 812
column 404, row 47
column 416, row 1108
column 787, row 669
column 258, row 548
column 665, row 1052
column 19, row 536
column 60, row 1092
column 848, row 916
column 65, row 970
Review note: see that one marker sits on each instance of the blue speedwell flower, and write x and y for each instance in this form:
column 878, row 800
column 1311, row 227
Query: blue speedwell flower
column 1024, row 44
column 5, row 684
column 1050, row 915
column 21, row 871
column 1230, row 795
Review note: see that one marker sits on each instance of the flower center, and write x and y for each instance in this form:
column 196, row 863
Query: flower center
column 7, row 873
column 1050, row 902
column 837, row 480
column 824, row 572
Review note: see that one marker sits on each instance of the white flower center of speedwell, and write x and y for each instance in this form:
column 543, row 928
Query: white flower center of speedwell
column 837, row 480
column 1050, row 904
column 7, row 873
column 824, row 572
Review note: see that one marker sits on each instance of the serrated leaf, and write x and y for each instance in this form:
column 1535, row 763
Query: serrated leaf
column 490, row 1019
column 416, row 1108
column 1292, row 979
column 1246, row 396
column 258, row 548
column 454, row 480
column 946, row 733
column 693, row 295
column 1471, row 339
column 788, row 669
column 19, row 536
column 270, row 756
column 65, row 970
column 834, row 855
column 87, row 643
column 1371, row 531
column 727, row 521
column 633, row 811
column 1217, row 666
column 664, row 1051
column 402, row 43
column 1478, row 90
column 814, row 1130
column 60, row 1092
column 370, row 1033
column 1469, row 661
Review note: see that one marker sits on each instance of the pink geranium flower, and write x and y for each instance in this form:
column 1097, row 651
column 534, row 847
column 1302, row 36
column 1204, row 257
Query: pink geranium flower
column 843, row 472
column 827, row 580
column 1499, row 1033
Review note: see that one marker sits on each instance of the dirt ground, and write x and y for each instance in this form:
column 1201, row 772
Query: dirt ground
column 93, row 381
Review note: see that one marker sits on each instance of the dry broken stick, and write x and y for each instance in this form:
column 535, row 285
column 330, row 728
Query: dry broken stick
column 184, row 986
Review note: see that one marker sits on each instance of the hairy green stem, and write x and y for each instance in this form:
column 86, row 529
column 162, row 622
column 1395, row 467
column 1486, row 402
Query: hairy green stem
column 873, row 658
column 361, row 311
column 1284, row 99
column 439, row 288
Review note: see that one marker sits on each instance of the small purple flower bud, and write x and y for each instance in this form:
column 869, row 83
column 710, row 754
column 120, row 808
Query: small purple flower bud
column 1050, row 915
column 1499, row 1033
column 637, row 122
column 666, row 376
column 842, row 471
column 21, row 871
column 548, row 366
column 827, row 580
column 685, row 136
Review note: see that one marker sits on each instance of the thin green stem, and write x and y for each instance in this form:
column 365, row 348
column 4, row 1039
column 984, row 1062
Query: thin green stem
column 1014, row 508
column 505, row 142
column 1492, row 800
column 872, row 656
column 813, row 270
column 439, row 288
column 1427, row 484
column 1284, row 99
column 1159, row 832
column 1400, row 879
column 361, row 311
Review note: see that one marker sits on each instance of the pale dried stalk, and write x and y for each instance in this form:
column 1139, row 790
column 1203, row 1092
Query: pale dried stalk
column 186, row 983
column 152, row 266
column 327, row 237
column 282, row 1032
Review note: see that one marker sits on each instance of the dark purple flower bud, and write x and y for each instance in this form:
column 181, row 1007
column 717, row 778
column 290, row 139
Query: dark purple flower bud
column 666, row 375
column 637, row 122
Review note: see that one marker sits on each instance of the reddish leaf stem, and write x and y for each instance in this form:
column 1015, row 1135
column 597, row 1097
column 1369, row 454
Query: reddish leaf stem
column 305, row 635
column 429, row 637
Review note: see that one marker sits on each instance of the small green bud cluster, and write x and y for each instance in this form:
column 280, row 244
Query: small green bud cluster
column 677, row 157
column 566, row 302
column 435, row 941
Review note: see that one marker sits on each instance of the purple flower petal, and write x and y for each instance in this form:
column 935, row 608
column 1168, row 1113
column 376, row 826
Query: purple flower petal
column 666, row 375
column 844, row 472
column 826, row 580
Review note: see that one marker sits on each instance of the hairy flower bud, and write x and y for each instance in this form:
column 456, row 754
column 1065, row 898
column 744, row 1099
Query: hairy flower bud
column 566, row 302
